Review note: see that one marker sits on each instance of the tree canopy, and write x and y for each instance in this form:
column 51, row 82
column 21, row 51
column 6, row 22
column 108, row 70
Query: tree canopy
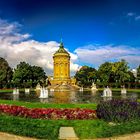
column 5, row 73
column 27, row 75
column 108, row 73
column 85, row 76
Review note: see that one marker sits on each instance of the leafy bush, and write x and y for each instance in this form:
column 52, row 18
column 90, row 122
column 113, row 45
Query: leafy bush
column 118, row 110
column 49, row 113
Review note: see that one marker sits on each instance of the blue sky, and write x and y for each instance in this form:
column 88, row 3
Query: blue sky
column 94, row 31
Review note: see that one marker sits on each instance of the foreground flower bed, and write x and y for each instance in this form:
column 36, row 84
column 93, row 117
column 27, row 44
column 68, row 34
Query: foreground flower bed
column 49, row 113
column 118, row 110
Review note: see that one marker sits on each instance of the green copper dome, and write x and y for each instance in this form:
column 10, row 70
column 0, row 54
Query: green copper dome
column 61, row 50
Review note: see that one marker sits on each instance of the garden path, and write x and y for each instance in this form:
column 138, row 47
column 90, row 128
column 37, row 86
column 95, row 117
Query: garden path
column 6, row 136
column 134, row 136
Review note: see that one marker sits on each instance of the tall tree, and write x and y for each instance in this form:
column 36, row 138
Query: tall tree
column 5, row 73
column 138, row 73
column 117, row 72
column 121, row 71
column 38, row 75
column 26, row 75
column 105, row 73
column 85, row 76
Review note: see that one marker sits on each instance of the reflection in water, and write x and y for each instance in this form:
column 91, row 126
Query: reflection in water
column 134, row 96
column 93, row 92
column 44, row 100
column 123, row 96
column 15, row 97
column 67, row 97
column 62, row 97
column 107, row 98
column 73, row 97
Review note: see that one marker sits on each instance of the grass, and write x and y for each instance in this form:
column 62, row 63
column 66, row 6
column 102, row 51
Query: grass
column 49, row 129
column 6, row 90
column 48, row 105
column 11, row 90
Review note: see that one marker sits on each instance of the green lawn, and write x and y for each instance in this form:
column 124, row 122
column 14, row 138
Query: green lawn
column 47, row 105
column 11, row 90
column 48, row 129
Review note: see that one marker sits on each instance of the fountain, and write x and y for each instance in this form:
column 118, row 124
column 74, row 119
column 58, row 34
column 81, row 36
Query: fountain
column 123, row 90
column 107, row 92
column 81, row 89
column 27, row 90
column 44, row 100
column 15, row 91
column 93, row 87
column 43, row 93
column 52, row 90
column 15, row 97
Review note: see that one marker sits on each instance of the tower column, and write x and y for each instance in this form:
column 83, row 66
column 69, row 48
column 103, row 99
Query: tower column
column 61, row 66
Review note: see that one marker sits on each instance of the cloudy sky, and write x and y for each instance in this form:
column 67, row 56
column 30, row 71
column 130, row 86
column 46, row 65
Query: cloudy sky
column 93, row 31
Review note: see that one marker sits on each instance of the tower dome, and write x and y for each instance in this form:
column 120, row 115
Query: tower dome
column 61, row 51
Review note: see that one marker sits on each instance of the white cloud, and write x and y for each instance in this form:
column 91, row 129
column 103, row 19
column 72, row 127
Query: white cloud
column 137, row 18
column 97, row 55
column 130, row 14
column 16, row 47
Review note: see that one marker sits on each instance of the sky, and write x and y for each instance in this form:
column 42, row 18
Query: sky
column 93, row 31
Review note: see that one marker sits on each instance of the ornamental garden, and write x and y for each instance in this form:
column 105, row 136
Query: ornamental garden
column 96, row 103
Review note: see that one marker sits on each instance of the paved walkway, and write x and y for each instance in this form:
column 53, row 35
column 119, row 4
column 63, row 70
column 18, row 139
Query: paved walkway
column 6, row 136
column 134, row 136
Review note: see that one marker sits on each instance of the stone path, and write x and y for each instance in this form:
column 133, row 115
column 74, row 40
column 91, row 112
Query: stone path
column 134, row 136
column 6, row 136
column 67, row 133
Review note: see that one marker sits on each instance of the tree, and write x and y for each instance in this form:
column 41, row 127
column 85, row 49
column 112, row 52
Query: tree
column 26, row 75
column 138, row 73
column 105, row 74
column 38, row 75
column 117, row 72
column 85, row 76
column 121, row 71
column 5, row 73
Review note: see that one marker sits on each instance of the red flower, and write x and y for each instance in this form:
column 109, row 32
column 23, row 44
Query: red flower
column 49, row 113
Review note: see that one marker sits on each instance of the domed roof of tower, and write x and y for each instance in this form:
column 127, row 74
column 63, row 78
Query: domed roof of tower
column 61, row 50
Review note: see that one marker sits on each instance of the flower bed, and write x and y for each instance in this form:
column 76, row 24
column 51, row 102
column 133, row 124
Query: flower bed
column 49, row 113
column 118, row 110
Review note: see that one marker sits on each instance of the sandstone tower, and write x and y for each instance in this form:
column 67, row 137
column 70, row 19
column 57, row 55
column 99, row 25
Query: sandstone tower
column 61, row 59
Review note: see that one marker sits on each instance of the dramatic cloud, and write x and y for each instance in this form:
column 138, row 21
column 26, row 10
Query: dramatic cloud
column 16, row 47
column 97, row 55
